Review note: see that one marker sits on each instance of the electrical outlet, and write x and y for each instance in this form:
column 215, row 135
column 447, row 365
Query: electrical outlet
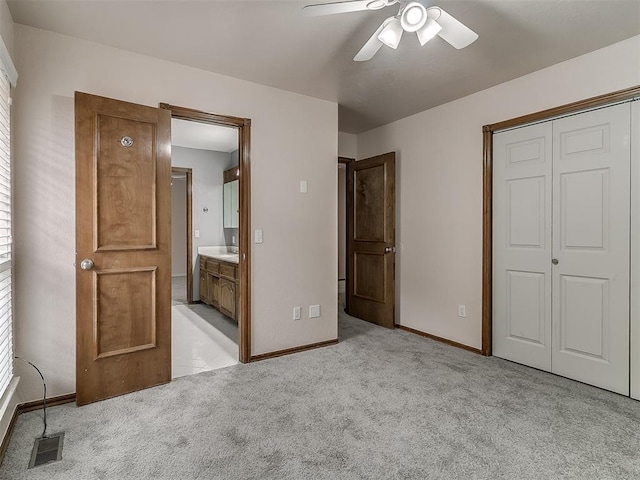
column 314, row 311
column 462, row 310
column 296, row 313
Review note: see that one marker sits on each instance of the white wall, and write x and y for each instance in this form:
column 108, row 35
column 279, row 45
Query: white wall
column 293, row 137
column 207, row 180
column 347, row 145
column 6, row 28
column 439, row 183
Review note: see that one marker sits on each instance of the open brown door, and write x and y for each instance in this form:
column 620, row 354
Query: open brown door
column 371, row 236
column 123, row 235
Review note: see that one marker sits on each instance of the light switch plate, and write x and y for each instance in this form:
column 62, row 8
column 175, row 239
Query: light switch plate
column 314, row 311
column 258, row 238
column 303, row 186
column 196, row 233
column 296, row 313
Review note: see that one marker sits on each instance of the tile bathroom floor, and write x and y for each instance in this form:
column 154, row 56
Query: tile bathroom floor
column 202, row 338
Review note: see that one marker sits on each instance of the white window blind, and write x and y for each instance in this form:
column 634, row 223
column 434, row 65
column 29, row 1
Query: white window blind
column 6, row 335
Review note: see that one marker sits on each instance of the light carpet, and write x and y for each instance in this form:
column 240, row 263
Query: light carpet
column 379, row 405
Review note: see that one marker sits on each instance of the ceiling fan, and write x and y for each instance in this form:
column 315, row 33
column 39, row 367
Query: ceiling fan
column 413, row 16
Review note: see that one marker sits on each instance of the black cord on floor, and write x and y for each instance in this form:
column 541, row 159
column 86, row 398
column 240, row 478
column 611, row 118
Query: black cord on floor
column 44, row 396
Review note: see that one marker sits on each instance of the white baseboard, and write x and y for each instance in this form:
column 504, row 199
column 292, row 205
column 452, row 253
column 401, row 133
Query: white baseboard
column 8, row 405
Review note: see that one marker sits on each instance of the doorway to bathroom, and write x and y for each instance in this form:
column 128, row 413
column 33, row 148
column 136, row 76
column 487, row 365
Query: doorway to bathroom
column 208, row 274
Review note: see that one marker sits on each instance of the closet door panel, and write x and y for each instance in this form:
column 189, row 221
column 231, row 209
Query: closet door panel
column 635, row 250
column 591, row 210
column 584, row 316
column 522, row 245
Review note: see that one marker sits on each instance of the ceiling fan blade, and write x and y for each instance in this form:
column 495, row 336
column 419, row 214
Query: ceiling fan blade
column 372, row 46
column 453, row 31
column 337, row 7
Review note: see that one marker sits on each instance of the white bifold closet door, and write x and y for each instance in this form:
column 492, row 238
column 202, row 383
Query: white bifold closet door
column 635, row 253
column 562, row 196
column 522, row 183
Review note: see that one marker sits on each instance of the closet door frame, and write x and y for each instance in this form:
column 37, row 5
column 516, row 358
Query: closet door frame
column 487, row 187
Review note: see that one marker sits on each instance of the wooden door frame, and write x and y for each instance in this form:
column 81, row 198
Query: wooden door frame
column 243, row 125
column 349, row 183
column 189, row 174
column 487, row 187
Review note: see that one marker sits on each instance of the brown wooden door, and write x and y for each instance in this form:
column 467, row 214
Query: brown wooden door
column 123, row 205
column 371, row 236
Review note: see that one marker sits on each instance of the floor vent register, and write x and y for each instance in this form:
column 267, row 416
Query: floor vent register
column 46, row 450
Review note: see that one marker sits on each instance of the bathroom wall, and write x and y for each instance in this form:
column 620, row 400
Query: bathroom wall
column 178, row 227
column 207, row 176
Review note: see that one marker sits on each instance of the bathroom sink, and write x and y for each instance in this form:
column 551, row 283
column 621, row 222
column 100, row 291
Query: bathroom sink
column 227, row 257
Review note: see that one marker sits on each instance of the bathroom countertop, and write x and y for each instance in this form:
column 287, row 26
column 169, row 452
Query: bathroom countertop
column 224, row 253
column 225, row 257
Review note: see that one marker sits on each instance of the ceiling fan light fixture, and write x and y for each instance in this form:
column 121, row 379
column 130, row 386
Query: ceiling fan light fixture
column 413, row 17
column 376, row 4
column 391, row 33
column 430, row 29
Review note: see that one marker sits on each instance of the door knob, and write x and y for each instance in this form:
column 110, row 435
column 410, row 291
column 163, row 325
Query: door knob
column 86, row 264
column 389, row 249
column 554, row 261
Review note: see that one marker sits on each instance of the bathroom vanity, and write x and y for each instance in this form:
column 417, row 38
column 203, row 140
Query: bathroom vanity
column 219, row 282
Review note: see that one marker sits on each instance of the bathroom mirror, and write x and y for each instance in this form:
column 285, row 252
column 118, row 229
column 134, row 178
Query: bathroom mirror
column 231, row 205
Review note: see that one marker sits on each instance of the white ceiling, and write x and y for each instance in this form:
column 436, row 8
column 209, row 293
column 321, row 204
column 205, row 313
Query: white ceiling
column 270, row 42
column 203, row 136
